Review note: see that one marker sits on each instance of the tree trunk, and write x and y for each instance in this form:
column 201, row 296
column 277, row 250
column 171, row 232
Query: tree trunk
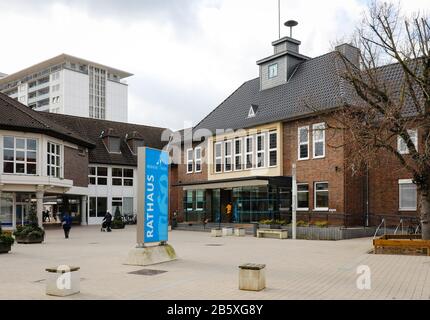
column 425, row 214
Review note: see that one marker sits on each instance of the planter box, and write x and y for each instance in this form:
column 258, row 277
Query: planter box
column 216, row 233
column 29, row 241
column 331, row 233
column 227, row 232
column 63, row 282
column 239, row 232
column 402, row 244
column 252, row 277
column 4, row 248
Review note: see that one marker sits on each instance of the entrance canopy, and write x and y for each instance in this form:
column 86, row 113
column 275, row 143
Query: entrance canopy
column 238, row 182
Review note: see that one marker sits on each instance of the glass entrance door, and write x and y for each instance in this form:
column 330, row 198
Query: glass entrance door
column 21, row 213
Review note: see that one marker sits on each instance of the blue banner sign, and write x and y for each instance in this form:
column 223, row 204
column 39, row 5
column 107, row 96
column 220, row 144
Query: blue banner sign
column 156, row 211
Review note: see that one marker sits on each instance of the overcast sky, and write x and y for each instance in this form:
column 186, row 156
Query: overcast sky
column 187, row 56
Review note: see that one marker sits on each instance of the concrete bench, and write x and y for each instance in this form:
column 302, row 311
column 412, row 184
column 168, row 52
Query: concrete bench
column 272, row 233
column 63, row 281
column 227, row 231
column 252, row 277
column 239, row 232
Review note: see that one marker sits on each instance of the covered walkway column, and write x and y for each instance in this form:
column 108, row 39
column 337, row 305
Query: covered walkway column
column 84, row 221
column 39, row 197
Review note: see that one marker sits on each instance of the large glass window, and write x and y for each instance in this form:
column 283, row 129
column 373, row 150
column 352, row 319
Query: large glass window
column 407, row 195
column 98, row 207
column 227, row 156
column 273, row 149
column 238, row 154
column 200, row 200
column 122, row 177
column 128, row 207
column 261, row 150
column 319, row 140
column 218, row 157
column 249, row 154
column 19, row 155
column 117, row 206
column 54, row 160
column 190, row 161
column 98, row 175
column 321, row 195
column 189, row 200
column 401, row 145
column 198, row 159
column 6, row 209
column 302, row 196
column 303, row 143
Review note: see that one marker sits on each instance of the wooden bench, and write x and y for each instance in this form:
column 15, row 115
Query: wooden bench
column 282, row 234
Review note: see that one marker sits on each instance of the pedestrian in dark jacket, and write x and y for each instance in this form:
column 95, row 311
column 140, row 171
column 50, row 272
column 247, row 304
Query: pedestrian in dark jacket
column 107, row 221
column 67, row 224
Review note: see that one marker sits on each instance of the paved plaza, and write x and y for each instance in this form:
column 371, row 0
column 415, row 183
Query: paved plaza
column 207, row 268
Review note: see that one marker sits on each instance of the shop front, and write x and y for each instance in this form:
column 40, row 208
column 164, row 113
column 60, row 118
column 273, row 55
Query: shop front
column 238, row 200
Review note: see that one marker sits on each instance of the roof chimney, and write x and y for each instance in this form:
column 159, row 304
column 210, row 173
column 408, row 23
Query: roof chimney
column 351, row 53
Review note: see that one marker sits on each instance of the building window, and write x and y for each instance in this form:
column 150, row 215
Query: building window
column 19, row 155
column 238, row 154
column 122, row 177
column 98, row 207
column 319, row 140
column 200, row 200
column 198, row 159
column 218, row 157
column 249, row 154
column 128, row 206
column 401, row 144
column 407, row 195
column 98, row 175
column 273, row 70
column 261, row 150
column 273, row 149
column 117, row 176
column 302, row 196
column 227, row 156
column 116, row 206
column 303, row 140
column 190, row 161
column 114, row 144
column 54, row 160
column 97, row 83
column 189, row 201
column 56, row 88
column 55, row 76
column 6, row 209
column 321, row 196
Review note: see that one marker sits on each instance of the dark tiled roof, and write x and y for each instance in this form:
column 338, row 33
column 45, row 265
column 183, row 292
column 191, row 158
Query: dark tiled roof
column 316, row 83
column 92, row 129
column 16, row 116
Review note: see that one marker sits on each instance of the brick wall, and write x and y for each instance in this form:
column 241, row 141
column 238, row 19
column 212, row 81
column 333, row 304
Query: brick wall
column 76, row 167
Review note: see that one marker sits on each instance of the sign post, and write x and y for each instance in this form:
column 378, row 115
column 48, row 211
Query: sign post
column 153, row 209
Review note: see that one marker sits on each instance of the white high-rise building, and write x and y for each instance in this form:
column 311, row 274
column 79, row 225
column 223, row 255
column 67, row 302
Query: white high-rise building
column 73, row 86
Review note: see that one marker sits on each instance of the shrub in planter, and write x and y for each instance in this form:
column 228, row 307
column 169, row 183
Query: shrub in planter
column 272, row 224
column 30, row 233
column 301, row 223
column 118, row 221
column 6, row 241
column 321, row 224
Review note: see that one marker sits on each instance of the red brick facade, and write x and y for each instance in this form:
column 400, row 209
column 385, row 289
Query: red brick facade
column 76, row 166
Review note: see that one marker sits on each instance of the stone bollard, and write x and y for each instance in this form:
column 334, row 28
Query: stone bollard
column 239, row 232
column 227, row 231
column 63, row 281
column 252, row 277
column 216, row 232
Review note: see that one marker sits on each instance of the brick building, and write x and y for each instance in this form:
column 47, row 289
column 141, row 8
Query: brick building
column 243, row 152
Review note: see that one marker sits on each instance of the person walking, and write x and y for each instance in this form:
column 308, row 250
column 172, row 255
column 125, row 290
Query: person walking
column 67, row 224
column 228, row 211
column 108, row 221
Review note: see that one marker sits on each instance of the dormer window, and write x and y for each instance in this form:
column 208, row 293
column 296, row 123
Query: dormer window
column 273, row 70
column 136, row 144
column 252, row 111
column 114, row 144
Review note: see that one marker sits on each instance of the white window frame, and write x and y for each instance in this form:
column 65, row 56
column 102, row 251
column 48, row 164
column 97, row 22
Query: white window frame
column 251, row 143
column 297, row 200
column 220, row 157
column 406, row 182
column 190, row 161
column 318, row 127
column 270, row 150
column 192, row 201
column 228, row 156
column 56, row 165
column 413, row 133
column 240, row 154
column 198, row 160
column 15, row 150
column 299, row 144
column 315, row 196
column 197, row 202
column 274, row 67
column 260, row 152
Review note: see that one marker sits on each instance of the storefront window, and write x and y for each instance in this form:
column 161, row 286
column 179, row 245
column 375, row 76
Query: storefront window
column 127, row 204
column 116, row 206
column 189, row 201
column 6, row 209
column 200, row 200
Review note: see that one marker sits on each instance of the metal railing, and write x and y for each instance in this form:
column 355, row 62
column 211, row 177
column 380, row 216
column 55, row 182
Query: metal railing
column 379, row 227
column 398, row 226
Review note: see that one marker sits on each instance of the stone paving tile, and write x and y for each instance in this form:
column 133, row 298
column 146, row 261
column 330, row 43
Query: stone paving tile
column 295, row 269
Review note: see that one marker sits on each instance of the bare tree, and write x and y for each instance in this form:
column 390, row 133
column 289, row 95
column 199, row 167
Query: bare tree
column 391, row 87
